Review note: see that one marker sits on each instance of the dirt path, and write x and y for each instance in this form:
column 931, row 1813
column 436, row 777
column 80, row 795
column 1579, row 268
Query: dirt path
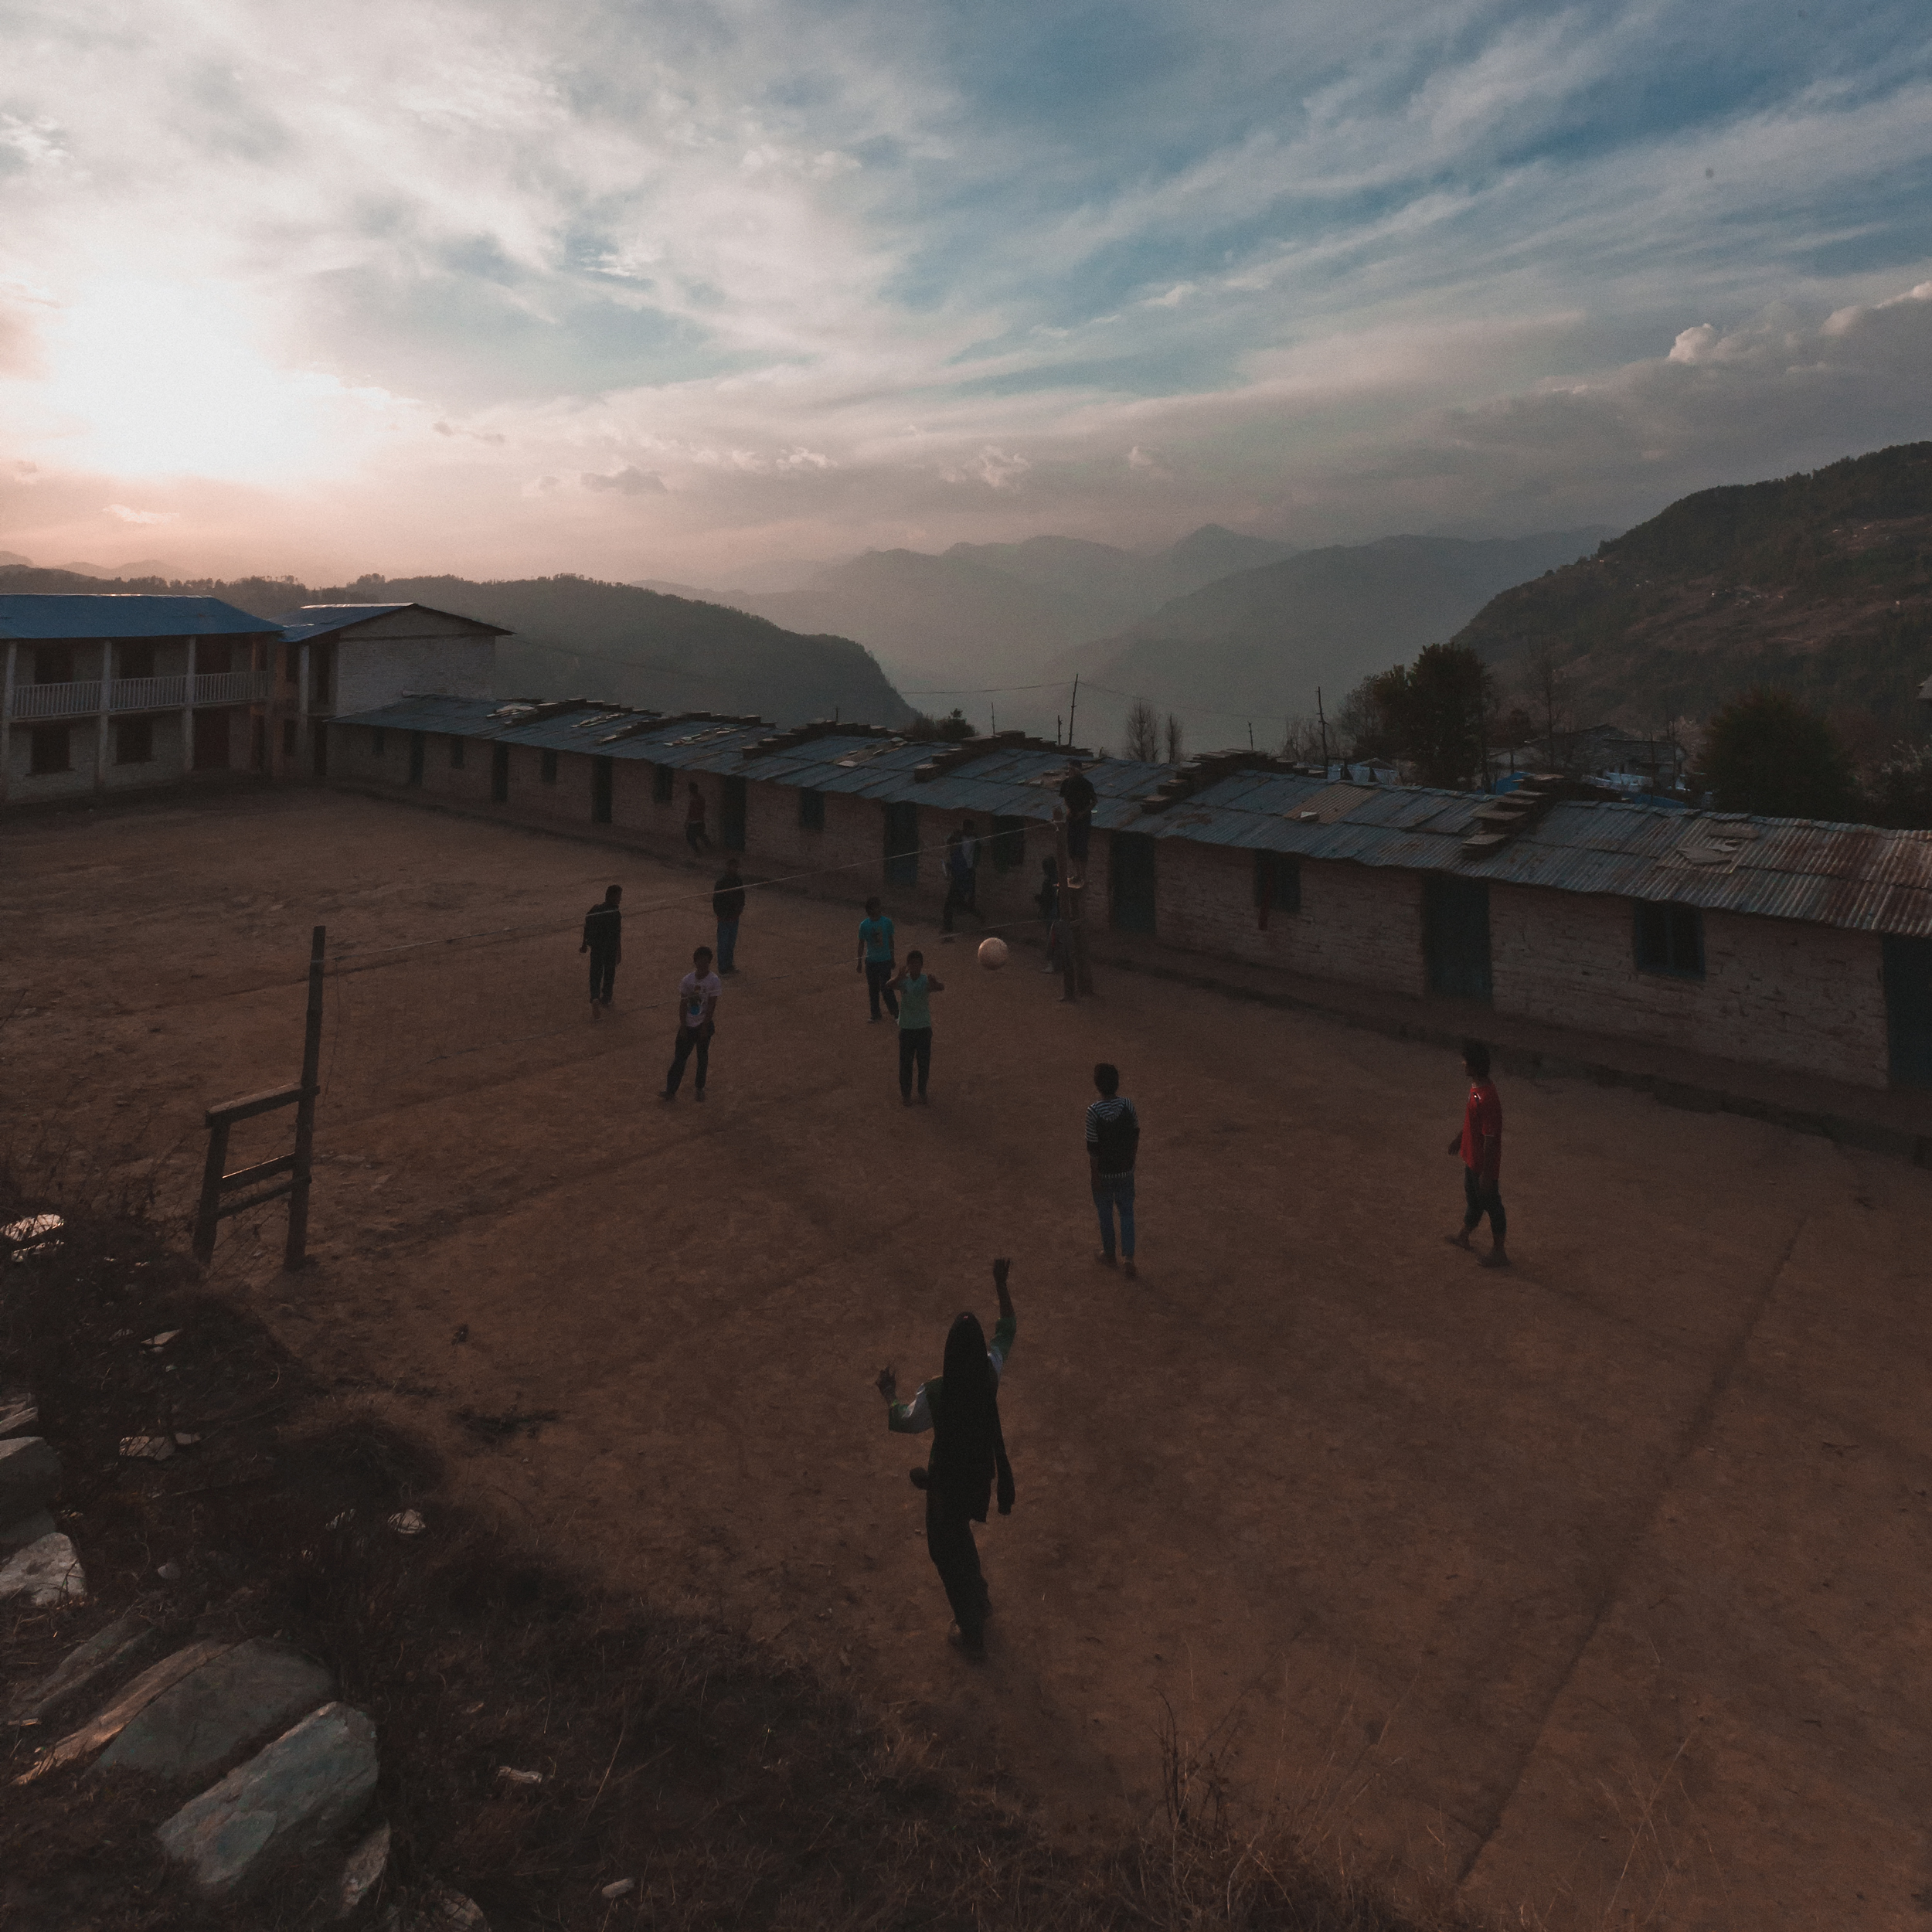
column 1593, row 1585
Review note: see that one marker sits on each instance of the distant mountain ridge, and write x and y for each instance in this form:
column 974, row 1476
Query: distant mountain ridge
column 576, row 637
column 1821, row 583
column 1256, row 645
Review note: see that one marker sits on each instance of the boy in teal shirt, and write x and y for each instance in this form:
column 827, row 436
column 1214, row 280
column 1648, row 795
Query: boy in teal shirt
column 875, row 957
column 915, row 987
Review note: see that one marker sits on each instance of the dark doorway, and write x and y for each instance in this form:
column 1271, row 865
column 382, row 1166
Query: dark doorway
column 211, row 741
column 600, row 769
column 499, row 774
column 416, row 757
column 1455, row 936
column 1908, row 1010
column 319, row 762
column 902, row 844
column 731, row 814
column 1130, row 881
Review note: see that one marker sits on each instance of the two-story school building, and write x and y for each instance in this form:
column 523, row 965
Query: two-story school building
column 1777, row 943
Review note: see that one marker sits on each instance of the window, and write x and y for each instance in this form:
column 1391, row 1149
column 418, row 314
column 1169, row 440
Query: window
column 812, row 810
column 1670, row 939
column 456, row 754
column 1010, row 843
column 137, row 661
column 663, row 784
column 547, row 767
column 1277, row 885
column 375, row 743
column 134, row 741
column 50, row 751
column 289, row 737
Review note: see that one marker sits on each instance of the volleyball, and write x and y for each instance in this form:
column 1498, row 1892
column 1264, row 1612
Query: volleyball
column 992, row 953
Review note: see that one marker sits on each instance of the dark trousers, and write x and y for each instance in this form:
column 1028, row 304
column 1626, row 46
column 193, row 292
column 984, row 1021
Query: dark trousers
column 1483, row 1200
column 915, row 1044
column 1114, row 1192
column 879, row 976
column 694, row 835
column 701, row 1039
column 727, row 945
column 604, row 973
column 1078, row 825
column 962, row 894
column 949, row 1542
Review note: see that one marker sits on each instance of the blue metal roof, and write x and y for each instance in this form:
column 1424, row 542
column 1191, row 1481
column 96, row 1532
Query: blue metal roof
column 1858, row 878
column 30, row 618
column 318, row 619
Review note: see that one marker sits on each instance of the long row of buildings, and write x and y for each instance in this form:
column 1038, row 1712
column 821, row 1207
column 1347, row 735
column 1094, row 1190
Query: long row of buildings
column 1777, row 943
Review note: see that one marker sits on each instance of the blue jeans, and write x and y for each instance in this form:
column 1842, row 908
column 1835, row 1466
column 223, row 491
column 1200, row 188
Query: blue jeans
column 1112, row 1191
column 727, row 945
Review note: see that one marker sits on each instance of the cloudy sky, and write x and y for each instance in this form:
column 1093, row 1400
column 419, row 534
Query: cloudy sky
column 688, row 290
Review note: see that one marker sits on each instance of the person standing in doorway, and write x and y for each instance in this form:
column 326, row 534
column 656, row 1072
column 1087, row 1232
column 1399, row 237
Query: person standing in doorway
column 604, row 940
column 915, row 987
column 728, row 903
column 875, row 957
column 1078, row 795
column 962, row 878
column 694, row 831
column 1113, row 1139
column 697, row 995
column 961, row 1408
column 1480, row 1144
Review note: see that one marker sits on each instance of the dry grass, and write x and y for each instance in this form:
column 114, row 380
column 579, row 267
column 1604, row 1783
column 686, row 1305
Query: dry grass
column 736, row 1790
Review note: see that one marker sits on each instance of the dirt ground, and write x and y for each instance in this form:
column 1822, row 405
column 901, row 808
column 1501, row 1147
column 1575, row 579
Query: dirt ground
column 1593, row 1586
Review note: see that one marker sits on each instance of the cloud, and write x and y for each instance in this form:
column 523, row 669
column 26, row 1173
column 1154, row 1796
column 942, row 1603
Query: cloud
column 128, row 515
column 627, row 481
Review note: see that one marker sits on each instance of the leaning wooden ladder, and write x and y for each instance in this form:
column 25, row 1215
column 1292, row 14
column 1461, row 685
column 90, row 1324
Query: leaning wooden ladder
column 217, row 1184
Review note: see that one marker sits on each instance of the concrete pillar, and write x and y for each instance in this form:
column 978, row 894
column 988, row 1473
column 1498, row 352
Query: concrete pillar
column 188, row 717
column 100, row 713
column 6, row 719
column 302, row 749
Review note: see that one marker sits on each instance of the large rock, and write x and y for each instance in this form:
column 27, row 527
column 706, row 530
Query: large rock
column 90, row 1666
column 46, row 1573
column 29, row 1475
column 289, row 1798
column 17, row 1411
column 105, row 1725
column 28, row 1529
column 233, row 1702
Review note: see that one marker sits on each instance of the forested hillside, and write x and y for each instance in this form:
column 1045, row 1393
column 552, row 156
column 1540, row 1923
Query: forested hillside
column 1821, row 583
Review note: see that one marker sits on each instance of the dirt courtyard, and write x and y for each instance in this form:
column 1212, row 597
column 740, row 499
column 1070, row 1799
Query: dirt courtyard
column 1595, row 1587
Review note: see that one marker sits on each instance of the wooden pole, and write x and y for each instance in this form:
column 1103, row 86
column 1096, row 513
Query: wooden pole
column 297, row 1251
column 208, row 1214
column 1076, row 976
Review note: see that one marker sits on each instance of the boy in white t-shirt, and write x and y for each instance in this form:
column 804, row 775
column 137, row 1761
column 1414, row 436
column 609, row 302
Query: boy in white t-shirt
column 697, row 995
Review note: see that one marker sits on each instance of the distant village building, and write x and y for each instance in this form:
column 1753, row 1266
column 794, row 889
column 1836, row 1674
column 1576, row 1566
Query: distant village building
column 119, row 693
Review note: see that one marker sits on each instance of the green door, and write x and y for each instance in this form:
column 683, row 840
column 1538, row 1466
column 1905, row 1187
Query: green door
column 902, row 844
column 731, row 814
column 1455, row 925
column 1130, row 878
column 1908, row 1010
column 600, row 790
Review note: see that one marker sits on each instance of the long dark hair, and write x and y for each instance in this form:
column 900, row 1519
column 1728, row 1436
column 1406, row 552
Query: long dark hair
column 966, row 1433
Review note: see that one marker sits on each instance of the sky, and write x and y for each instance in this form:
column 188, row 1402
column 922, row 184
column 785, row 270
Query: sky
column 694, row 291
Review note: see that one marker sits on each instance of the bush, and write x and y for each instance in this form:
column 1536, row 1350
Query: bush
column 1765, row 753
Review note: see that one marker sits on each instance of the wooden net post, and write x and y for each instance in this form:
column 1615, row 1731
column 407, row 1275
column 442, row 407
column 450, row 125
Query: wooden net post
column 297, row 1251
column 1077, row 976
column 208, row 1214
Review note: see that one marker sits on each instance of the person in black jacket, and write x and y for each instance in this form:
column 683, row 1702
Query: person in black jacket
column 604, row 940
column 1078, row 795
column 1112, row 1140
column 961, row 1408
column 728, row 902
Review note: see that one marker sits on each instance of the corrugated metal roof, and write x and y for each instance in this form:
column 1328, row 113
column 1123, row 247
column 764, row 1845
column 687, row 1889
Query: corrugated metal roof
column 317, row 620
column 1857, row 878
column 37, row 619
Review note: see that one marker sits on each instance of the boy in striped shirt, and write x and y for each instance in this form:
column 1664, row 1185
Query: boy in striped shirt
column 1113, row 1139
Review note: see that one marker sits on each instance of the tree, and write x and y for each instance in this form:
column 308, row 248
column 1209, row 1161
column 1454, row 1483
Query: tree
column 1442, row 706
column 1173, row 739
column 1546, row 685
column 955, row 728
column 1143, row 732
column 1765, row 753
column 1898, row 791
column 1361, row 727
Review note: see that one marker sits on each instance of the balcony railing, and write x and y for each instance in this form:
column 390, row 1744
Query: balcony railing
column 83, row 700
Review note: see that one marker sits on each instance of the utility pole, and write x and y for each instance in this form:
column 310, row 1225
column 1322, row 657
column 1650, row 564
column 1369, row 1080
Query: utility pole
column 1073, row 705
column 1076, row 974
column 1323, row 716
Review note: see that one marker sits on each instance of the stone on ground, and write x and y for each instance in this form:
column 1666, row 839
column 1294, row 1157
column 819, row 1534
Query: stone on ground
column 17, row 1411
column 135, row 1699
column 28, row 1529
column 46, row 1573
column 29, row 1475
column 289, row 1799
column 87, row 1667
column 231, row 1702
column 362, row 1872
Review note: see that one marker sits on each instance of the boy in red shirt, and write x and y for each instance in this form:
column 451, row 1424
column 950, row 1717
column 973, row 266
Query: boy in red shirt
column 1480, row 1144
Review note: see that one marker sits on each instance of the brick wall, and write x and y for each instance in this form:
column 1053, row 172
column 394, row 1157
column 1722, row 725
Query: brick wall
column 1775, row 992
column 1362, row 924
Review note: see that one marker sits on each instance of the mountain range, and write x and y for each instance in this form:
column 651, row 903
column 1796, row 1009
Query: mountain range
column 1821, row 583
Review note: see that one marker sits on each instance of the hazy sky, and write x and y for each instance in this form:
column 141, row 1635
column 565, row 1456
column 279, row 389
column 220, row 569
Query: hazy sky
column 674, row 290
